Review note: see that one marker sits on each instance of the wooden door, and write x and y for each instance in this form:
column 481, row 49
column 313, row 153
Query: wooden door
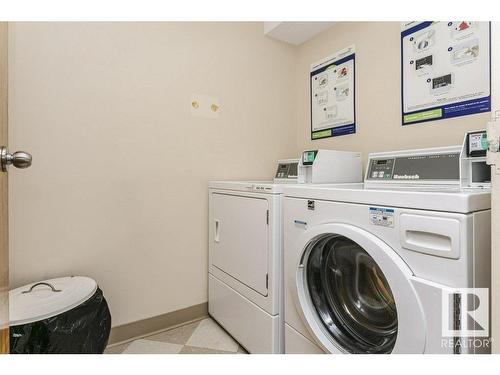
column 4, row 224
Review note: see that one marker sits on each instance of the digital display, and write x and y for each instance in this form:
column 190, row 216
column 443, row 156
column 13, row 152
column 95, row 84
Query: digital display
column 381, row 162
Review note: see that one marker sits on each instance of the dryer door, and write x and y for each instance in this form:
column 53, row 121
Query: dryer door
column 356, row 295
column 241, row 234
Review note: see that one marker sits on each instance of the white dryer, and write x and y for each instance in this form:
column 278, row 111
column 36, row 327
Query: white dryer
column 367, row 266
column 245, row 247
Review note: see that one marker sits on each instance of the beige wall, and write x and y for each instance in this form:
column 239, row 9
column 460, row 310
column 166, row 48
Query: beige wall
column 118, row 186
column 378, row 99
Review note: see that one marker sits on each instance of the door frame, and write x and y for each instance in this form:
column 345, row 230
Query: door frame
column 4, row 212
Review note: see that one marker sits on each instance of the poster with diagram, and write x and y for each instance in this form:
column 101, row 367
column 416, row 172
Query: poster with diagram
column 445, row 69
column 332, row 95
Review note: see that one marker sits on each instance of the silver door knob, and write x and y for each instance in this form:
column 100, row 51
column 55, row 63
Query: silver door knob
column 19, row 159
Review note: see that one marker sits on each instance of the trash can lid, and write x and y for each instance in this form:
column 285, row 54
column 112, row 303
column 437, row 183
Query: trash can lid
column 45, row 299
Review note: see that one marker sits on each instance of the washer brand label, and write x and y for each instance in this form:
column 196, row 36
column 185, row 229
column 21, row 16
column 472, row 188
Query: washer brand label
column 382, row 216
column 310, row 205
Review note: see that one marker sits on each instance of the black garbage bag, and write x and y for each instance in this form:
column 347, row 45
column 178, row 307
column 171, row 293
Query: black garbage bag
column 82, row 330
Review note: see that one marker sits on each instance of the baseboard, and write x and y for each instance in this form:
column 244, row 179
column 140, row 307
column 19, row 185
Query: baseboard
column 145, row 327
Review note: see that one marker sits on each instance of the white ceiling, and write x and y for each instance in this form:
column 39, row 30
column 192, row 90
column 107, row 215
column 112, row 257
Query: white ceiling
column 295, row 32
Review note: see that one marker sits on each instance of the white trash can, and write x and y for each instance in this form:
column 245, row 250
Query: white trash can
column 57, row 316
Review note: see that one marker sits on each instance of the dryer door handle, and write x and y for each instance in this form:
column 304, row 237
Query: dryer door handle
column 217, row 230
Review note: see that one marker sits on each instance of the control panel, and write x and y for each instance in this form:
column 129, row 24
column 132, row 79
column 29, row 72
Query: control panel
column 432, row 166
column 459, row 166
column 381, row 168
column 287, row 170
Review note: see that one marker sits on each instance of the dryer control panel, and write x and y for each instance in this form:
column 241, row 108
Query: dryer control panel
column 287, row 171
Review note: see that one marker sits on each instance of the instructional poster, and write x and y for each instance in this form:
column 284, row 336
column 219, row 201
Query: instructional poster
column 445, row 69
column 332, row 95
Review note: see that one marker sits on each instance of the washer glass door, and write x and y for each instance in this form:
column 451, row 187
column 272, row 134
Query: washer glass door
column 351, row 295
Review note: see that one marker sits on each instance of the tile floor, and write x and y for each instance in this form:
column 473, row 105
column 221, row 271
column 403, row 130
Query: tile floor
column 202, row 337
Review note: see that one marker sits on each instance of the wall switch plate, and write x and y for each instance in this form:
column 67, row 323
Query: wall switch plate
column 205, row 106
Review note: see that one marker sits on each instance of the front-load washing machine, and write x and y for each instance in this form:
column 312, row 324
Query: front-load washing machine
column 245, row 277
column 377, row 267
